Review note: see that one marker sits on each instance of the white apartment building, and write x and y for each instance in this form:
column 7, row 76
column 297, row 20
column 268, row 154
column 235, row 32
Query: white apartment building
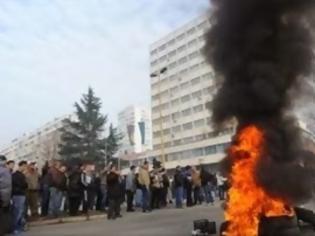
column 179, row 97
column 39, row 145
column 134, row 123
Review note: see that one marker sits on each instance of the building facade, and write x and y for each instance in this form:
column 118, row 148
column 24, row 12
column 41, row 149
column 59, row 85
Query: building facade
column 134, row 123
column 182, row 84
column 39, row 146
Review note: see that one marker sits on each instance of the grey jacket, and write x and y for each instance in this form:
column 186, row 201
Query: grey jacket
column 131, row 182
column 5, row 186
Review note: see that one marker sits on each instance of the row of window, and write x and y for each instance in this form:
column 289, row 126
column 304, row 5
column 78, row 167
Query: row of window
column 173, row 90
column 178, row 77
column 198, row 152
column 184, row 99
column 197, row 138
column 202, row 26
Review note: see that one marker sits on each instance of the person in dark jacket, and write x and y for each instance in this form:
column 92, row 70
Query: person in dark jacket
column 5, row 195
column 165, row 187
column 89, row 187
column 75, row 191
column 19, row 187
column 44, row 187
column 207, row 181
column 114, row 193
column 188, row 186
column 179, row 187
column 57, row 185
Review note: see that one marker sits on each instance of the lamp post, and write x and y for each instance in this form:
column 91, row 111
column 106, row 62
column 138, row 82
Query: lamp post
column 158, row 74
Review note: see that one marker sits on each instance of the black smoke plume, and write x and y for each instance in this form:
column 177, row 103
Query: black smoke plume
column 263, row 51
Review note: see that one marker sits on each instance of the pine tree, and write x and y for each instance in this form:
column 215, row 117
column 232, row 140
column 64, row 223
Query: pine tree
column 112, row 142
column 83, row 138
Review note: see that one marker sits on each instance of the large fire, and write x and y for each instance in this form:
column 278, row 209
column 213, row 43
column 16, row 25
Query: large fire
column 248, row 202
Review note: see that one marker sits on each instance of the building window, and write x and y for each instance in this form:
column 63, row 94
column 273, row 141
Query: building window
column 198, row 152
column 166, row 131
column 180, row 37
column 185, row 98
column 175, row 116
column 198, row 108
column 175, row 102
column 188, row 126
column 191, row 31
column 153, row 52
column 177, row 142
column 194, row 67
column 182, row 72
column 197, row 94
column 174, row 90
column 157, row 146
column 193, row 55
column 172, row 53
column 182, row 60
column 166, row 119
column 202, row 25
column 192, row 43
column 171, row 42
column 172, row 65
column 186, row 112
column 181, row 49
column 210, row 150
column 188, row 140
column 163, row 58
column 208, row 76
column 199, row 123
column 154, row 63
column 156, row 121
column 209, row 90
column 201, row 38
column 161, row 48
column 184, row 85
column 157, row 134
column 200, row 137
column 187, row 154
column 195, row 81
column 176, row 129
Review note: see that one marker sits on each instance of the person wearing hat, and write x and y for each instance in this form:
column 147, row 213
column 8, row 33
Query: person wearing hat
column 131, row 188
column 5, row 195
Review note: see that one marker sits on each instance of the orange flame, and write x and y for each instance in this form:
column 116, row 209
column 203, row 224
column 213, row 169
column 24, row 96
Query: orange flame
column 247, row 201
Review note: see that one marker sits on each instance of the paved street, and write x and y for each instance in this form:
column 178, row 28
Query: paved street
column 163, row 222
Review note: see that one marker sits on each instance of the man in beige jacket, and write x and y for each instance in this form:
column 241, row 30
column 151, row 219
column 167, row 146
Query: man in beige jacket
column 144, row 181
column 32, row 179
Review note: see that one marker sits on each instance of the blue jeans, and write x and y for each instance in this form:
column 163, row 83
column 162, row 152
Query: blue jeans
column 145, row 199
column 18, row 212
column 179, row 194
column 55, row 202
column 207, row 192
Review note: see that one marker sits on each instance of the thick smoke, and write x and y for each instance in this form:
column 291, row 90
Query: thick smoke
column 263, row 50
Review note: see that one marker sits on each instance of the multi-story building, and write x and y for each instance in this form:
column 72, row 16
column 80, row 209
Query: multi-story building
column 39, row 145
column 134, row 123
column 182, row 84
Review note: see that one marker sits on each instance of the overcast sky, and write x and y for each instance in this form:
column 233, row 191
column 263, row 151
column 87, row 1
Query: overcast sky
column 52, row 50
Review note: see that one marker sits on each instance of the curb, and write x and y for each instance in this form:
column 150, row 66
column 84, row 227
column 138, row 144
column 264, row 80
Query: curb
column 66, row 220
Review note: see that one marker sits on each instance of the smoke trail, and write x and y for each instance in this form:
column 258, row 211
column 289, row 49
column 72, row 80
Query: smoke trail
column 263, row 50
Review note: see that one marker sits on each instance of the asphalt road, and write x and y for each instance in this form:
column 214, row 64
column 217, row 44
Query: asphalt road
column 166, row 222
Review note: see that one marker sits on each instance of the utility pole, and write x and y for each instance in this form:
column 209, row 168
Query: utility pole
column 159, row 74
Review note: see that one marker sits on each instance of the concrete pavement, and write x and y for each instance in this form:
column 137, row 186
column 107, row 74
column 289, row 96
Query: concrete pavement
column 166, row 222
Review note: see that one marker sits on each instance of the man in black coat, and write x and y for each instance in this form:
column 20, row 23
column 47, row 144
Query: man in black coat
column 19, row 187
column 114, row 193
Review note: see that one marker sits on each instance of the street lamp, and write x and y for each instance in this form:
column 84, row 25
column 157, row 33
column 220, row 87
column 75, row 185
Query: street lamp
column 153, row 75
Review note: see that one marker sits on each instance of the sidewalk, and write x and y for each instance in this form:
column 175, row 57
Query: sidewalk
column 67, row 219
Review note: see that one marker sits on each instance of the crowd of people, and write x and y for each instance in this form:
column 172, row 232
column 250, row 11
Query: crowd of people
column 27, row 193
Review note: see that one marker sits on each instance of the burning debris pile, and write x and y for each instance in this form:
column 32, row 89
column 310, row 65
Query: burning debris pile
column 263, row 50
